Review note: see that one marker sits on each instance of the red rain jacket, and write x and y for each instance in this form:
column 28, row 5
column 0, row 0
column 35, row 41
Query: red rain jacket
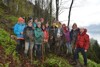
column 83, row 40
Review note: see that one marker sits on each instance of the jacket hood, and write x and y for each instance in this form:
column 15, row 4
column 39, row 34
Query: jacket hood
column 85, row 31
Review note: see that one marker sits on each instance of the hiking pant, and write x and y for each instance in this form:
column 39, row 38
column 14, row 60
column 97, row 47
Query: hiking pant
column 20, row 46
column 38, row 48
column 77, row 50
column 69, row 48
column 73, row 48
column 58, row 46
column 46, row 48
column 52, row 44
column 28, row 45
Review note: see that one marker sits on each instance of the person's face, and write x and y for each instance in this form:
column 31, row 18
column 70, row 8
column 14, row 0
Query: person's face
column 81, row 30
column 36, row 20
column 30, row 24
column 31, row 20
column 43, row 27
column 66, row 28
column 42, row 20
column 74, row 26
column 63, row 25
column 22, row 21
column 47, row 25
column 39, row 25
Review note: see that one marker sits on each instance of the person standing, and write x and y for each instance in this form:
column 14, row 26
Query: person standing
column 47, row 27
column 58, row 37
column 52, row 37
column 73, row 36
column 38, row 41
column 42, row 21
column 29, row 40
column 18, row 30
column 67, row 37
column 82, row 45
column 35, row 23
column 45, row 40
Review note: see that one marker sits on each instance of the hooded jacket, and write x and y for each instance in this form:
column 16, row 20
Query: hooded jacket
column 83, row 40
column 18, row 28
column 66, row 34
column 38, row 36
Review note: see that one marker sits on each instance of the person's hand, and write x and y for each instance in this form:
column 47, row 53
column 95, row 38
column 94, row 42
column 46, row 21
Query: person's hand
column 85, row 50
column 21, row 32
column 33, row 28
column 51, row 37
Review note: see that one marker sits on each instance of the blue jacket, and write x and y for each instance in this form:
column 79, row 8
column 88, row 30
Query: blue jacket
column 18, row 28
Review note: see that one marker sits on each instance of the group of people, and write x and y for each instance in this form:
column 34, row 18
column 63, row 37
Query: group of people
column 38, row 38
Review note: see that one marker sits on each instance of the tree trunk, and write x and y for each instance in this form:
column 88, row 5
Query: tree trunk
column 50, row 11
column 70, row 12
column 57, row 9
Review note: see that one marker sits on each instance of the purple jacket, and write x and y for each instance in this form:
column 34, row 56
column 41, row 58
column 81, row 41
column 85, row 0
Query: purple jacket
column 67, row 36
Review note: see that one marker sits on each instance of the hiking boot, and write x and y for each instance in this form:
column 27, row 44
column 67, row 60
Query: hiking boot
column 73, row 63
column 84, row 65
column 25, row 55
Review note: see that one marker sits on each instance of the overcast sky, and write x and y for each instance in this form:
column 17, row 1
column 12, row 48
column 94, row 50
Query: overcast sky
column 84, row 12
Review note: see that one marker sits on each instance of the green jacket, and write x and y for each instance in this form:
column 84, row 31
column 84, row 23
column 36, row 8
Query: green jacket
column 38, row 36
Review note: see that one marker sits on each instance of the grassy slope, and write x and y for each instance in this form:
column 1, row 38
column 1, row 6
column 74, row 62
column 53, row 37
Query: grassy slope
column 9, row 46
column 90, row 62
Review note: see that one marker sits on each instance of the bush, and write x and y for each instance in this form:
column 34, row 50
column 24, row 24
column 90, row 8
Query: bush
column 11, row 18
column 9, row 46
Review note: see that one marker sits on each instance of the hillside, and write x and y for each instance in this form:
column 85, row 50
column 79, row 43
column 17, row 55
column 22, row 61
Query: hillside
column 9, row 57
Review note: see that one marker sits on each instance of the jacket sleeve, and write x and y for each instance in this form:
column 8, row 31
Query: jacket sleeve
column 24, row 32
column 87, row 42
column 76, row 43
column 36, row 34
column 16, row 31
column 71, row 35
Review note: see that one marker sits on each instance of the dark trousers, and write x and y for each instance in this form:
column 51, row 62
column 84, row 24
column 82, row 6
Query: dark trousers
column 46, row 48
column 38, row 48
column 20, row 46
column 77, row 50
column 52, row 43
